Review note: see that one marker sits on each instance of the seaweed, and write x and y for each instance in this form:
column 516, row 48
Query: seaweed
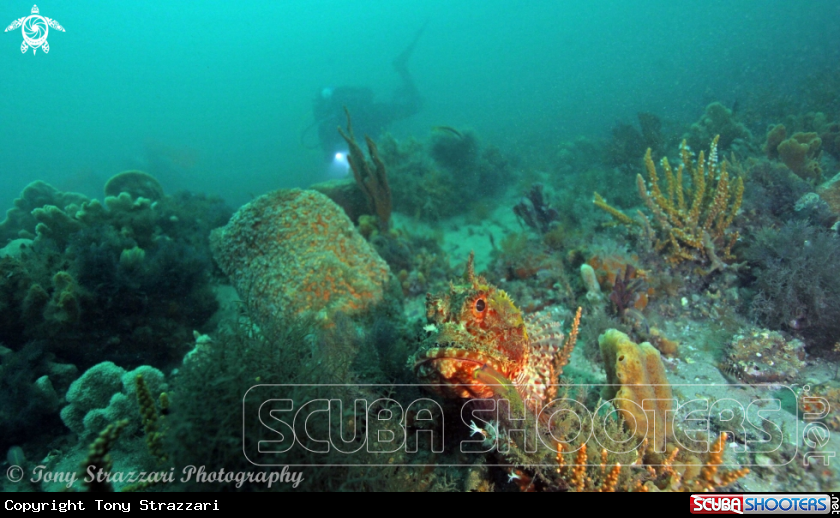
column 623, row 148
column 445, row 176
column 534, row 211
column 455, row 151
column 772, row 191
column 626, row 290
column 141, row 310
column 241, row 356
column 126, row 281
column 797, row 282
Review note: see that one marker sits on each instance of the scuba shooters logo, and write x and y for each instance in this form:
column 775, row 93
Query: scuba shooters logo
column 775, row 503
column 35, row 29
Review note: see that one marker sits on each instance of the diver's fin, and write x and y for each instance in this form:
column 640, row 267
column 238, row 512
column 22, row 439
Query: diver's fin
column 401, row 60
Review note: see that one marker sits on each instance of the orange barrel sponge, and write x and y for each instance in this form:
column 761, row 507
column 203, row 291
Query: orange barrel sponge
column 642, row 392
column 295, row 253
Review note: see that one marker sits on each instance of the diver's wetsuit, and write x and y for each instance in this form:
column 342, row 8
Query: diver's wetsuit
column 369, row 116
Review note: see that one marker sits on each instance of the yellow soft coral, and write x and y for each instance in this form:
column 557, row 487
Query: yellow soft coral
column 692, row 223
column 151, row 420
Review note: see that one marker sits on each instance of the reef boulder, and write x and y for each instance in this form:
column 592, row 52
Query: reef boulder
column 295, row 253
column 763, row 356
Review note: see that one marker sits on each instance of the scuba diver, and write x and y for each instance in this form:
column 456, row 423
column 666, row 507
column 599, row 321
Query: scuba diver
column 370, row 117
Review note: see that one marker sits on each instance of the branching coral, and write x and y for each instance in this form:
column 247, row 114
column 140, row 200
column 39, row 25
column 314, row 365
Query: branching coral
column 695, row 475
column 677, row 470
column 150, row 417
column 99, row 460
column 371, row 178
column 692, row 223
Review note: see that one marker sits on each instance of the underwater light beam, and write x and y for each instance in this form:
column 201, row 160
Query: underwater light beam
column 340, row 166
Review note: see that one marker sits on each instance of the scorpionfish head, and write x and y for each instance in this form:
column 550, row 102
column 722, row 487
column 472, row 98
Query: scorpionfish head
column 476, row 340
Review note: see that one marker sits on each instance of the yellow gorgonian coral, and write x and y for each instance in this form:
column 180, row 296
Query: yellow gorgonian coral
column 692, row 216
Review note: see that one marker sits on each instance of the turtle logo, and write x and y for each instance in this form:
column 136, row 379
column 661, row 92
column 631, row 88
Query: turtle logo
column 35, row 30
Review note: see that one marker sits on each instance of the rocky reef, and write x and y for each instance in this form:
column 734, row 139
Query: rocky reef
column 445, row 175
column 147, row 330
column 87, row 284
column 107, row 281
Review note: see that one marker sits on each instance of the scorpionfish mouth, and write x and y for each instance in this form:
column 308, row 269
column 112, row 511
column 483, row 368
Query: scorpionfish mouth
column 454, row 372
